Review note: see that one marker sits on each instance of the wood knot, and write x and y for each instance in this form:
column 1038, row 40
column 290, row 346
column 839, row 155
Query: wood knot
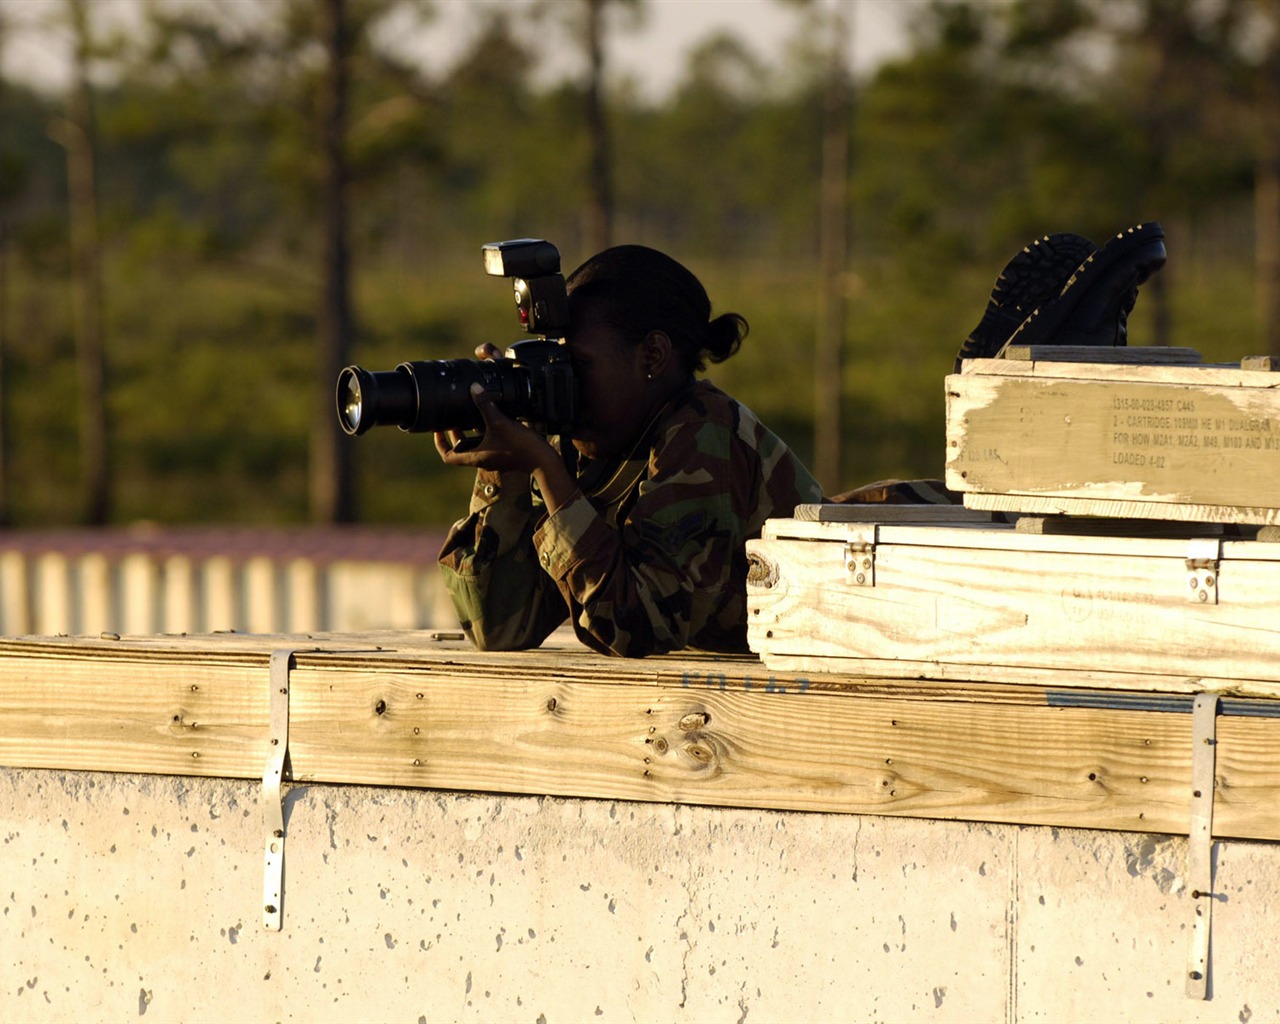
column 694, row 721
column 761, row 572
column 700, row 753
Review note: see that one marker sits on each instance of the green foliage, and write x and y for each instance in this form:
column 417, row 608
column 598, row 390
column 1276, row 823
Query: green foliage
column 1000, row 125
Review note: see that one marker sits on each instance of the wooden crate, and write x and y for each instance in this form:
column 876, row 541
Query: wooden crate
column 1185, row 442
column 1176, row 614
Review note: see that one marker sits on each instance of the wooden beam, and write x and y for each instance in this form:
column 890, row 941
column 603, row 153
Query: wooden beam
column 700, row 730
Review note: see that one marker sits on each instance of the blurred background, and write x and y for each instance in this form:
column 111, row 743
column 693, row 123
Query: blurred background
column 207, row 207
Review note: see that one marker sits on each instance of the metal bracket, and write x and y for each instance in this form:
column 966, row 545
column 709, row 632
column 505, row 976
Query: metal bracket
column 273, row 806
column 1203, row 564
column 860, row 563
column 1204, row 715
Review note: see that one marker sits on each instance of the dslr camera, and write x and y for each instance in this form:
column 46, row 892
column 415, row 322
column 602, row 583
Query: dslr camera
column 534, row 383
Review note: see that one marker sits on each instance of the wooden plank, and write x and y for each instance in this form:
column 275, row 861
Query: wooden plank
column 880, row 513
column 1209, row 375
column 1197, row 447
column 112, row 714
column 1139, row 541
column 1092, row 526
column 1034, row 604
column 1148, row 354
column 700, row 730
column 1035, row 504
column 789, row 750
column 1024, row 677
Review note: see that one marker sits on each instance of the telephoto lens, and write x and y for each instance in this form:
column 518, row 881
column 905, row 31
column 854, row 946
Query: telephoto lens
column 427, row 395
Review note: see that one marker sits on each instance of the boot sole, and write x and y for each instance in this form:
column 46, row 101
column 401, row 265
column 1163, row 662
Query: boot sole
column 1034, row 276
column 1135, row 253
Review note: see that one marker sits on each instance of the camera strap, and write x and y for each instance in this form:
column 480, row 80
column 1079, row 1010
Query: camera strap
column 607, row 497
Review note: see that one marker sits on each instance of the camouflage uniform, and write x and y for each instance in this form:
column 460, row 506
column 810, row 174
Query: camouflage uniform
column 653, row 560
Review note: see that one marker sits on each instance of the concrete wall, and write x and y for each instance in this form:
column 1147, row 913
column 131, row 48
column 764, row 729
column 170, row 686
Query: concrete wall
column 139, row 897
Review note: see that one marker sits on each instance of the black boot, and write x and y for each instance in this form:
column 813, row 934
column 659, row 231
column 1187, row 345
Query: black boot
column 1093, row 306
column 1035, row 276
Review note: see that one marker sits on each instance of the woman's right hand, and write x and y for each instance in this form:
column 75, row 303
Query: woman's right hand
column 505, row 444
column 486, row 451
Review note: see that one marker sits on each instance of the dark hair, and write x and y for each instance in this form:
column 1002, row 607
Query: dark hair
column 636, row 290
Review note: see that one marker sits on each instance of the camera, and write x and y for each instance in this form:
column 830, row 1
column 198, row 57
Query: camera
column 534, row 383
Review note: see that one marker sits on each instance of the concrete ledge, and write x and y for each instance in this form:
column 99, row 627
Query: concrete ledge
column 139, row 897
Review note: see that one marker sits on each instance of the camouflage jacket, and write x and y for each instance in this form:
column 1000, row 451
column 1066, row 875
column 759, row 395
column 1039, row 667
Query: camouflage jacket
column 654, row 560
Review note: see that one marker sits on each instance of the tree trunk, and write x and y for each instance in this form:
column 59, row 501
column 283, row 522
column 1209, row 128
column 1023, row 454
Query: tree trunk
column 6, row 512
column 1267, row 190
column 86, row 277
column 834, row 257
column 332, row 490
column 6, row 196
column 599, row 226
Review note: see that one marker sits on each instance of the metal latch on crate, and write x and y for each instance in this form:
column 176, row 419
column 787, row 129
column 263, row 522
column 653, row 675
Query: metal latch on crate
column 860, row 563
column 1203, row 565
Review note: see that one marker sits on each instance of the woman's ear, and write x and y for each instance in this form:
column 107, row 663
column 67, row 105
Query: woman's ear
column 656, row 354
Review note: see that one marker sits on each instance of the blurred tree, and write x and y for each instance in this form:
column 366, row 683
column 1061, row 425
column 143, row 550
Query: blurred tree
column 599, row 227
column 12, row 173
column 490, row 124
column 833, row 232
column 1267, row 175
column 77, row 133
column 968, row 144
column 587, row 22
column 1171, row 77
column 723, row 167
column 273, row 128
column 832, row 25
column 332, row 490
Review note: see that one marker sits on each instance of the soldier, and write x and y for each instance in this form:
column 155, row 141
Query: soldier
column 637, row 532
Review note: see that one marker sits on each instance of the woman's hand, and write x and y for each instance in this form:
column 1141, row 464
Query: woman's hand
column 505, row 445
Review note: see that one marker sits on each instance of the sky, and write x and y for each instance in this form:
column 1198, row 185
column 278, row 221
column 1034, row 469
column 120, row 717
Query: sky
column 652, row 54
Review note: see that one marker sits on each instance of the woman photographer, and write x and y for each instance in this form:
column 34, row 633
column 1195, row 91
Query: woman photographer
column 637, row 534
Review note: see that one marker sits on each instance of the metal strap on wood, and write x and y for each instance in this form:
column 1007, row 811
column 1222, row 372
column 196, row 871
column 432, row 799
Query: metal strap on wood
column 282, row 662
column 1204, row 714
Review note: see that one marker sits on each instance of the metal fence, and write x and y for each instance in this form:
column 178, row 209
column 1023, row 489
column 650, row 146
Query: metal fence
column 193, row 580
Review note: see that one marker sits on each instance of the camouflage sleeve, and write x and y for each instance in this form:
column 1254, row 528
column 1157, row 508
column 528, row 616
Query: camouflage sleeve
column 672, row 573
column 503, row 598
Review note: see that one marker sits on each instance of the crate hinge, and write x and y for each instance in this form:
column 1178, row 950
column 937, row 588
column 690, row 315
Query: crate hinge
column 860, row 563
column 1204, row 720
column 282, row 661
column 1203, row 564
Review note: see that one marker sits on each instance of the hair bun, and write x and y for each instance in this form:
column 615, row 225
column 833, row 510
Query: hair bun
column 724, row 336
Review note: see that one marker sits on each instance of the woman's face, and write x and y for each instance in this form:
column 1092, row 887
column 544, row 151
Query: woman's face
column 616, row 398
